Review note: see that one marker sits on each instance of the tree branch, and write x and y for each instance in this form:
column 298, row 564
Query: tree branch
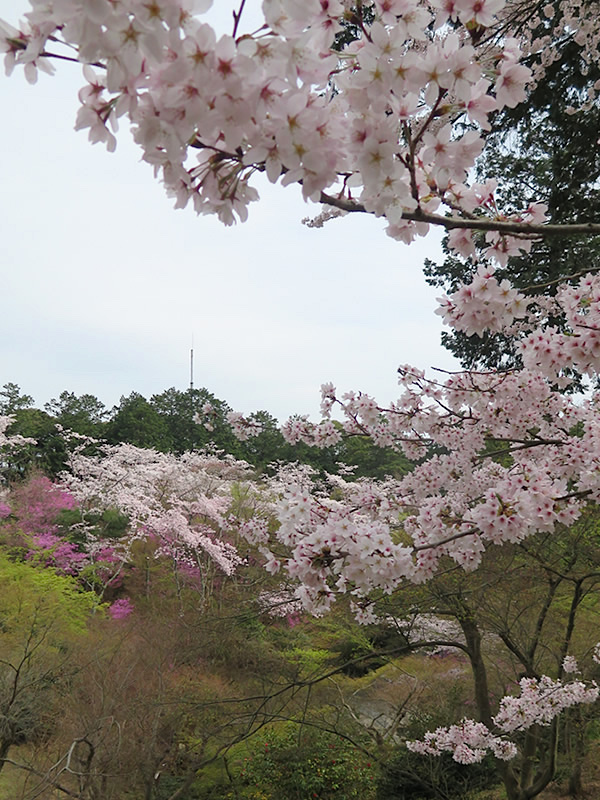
column 479, row 224
column 53, row 783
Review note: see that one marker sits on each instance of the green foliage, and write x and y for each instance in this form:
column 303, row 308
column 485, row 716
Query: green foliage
column 353, row 648
column 11, row 399
column 411, row 776
column 309, row 660
column 301, row 763
column 167, row 423
column 269, row 446
column 109, row 524
column 112, row 524
column 137, row 422
column 41, row 616
column 372, row 461
column 38, row 602
column 355, row 655
column 167, row 785
column 84, row 414
column 49, row 452
column 240, row 643
column 177, row 410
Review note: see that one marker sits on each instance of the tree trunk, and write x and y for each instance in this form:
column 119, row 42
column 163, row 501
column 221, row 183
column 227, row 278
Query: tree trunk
column 482, row 699
column 578, row 749
column 5, row 745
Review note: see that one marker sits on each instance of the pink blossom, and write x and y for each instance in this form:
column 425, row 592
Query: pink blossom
column 121, row 608
column 380, row 128
column 483, row 305
column 511, row 82
column 37, row 504
column 210, row 111
column 182, row 502
column 569, row 665
column 539, row 703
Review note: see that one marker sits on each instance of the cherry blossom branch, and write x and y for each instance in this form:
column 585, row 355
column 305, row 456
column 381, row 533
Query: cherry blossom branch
column 476, row 224
column 535, row 287
column 60, row 57
column 236, row 18
column 448, row 539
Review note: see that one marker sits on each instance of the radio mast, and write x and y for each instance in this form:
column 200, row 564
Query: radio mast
column 192, row 366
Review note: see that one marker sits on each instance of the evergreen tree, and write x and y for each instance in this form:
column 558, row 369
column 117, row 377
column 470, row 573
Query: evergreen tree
column 135, row 421
column 537, row 151
column 84, row 414
column 11, row 399
column 177, row 410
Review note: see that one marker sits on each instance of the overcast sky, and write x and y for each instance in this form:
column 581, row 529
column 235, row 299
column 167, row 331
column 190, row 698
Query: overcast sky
column 104, row 284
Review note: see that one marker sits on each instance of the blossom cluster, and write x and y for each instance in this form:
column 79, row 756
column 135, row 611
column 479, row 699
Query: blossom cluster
column 540, row 701
column 68, row 547
column 121, row 608
column 424, row 627
column 392, row 124
column 373, row 123
column 482, row 305
column 334, row 550
column 514, row 457
column 578, row 346
column 469, row 742
column 183, row 502
column 282, row 604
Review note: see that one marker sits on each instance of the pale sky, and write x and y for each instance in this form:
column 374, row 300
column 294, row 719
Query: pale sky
column 104, row 284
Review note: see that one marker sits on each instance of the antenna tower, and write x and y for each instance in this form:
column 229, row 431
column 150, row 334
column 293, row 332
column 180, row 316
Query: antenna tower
column 192, row 366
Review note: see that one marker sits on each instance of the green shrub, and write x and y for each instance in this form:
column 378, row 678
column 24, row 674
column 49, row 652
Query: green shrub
column 411, row 776
column 303, row 763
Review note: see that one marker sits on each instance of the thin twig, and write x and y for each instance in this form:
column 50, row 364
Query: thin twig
column 237, row 17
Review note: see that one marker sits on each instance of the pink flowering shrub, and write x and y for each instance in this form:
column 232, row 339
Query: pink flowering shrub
column 52, row 551
column 121, row 608
column 37, row 504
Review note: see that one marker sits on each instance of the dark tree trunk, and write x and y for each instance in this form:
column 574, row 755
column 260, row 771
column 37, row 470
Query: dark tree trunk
column 5, row 745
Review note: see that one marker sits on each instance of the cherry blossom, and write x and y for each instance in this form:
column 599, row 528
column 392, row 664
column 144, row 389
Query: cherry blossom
column 468, row 742
column 210, row 111
column 184, row 502
column 9, row 441
column 483, row 305
column 540, row 701
column 359, row 537
column 390, row 125
column 570, row 665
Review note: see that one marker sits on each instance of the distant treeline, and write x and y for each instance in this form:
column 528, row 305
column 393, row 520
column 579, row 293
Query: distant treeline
column 165, row 422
